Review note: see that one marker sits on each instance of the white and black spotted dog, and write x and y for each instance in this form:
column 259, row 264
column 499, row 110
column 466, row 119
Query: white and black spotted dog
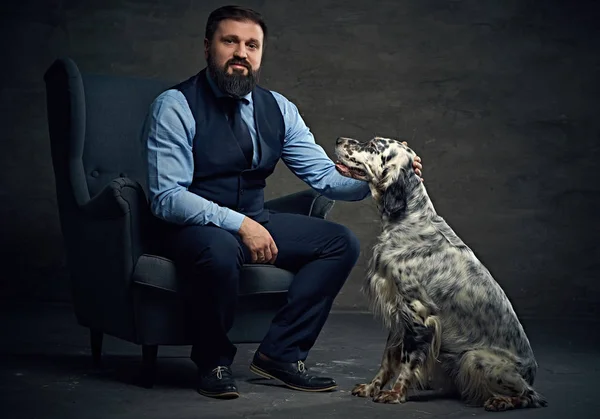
column 450, row 324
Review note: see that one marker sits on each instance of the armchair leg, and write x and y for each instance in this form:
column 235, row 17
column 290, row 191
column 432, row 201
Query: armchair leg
column 96, row 344
column 148, row 373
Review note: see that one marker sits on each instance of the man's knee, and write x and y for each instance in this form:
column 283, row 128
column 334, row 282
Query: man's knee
column 215, row 271
column 349, row 242
column 203, row 252
column 223, row 257
column 353, row 244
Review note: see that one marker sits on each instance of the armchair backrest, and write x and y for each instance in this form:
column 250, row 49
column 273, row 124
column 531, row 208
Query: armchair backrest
column 95, row 123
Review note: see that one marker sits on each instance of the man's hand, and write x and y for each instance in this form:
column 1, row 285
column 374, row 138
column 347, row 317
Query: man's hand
column 416, row 164
column 259, row 241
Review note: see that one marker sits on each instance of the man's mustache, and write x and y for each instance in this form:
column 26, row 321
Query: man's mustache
column 239, row 62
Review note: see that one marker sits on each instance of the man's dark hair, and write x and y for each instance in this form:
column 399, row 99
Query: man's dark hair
column 235, row 13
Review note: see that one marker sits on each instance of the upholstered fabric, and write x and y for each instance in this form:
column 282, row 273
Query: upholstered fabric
column 160, row 273
column 115, row 108
column 304, row 202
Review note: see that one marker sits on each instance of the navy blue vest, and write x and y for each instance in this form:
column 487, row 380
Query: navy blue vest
column 221, row 173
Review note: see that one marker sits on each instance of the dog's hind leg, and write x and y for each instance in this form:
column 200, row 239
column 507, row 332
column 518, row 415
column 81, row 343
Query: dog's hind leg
column 491, row 377
column 387, row 370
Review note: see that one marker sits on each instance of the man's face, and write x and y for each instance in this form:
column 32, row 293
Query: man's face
column 234, row 56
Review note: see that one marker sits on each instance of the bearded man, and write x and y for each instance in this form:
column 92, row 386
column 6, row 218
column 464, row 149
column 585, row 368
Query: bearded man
column 211, row 141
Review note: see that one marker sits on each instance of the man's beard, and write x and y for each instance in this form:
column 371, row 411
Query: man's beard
column 235, row 84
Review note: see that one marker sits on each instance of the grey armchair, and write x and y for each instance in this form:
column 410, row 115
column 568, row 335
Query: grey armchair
column 120, row 285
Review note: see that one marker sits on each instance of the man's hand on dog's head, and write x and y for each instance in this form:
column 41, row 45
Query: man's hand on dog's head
column 416, row 164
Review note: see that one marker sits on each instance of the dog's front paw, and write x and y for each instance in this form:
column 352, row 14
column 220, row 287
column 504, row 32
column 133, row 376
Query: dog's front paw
column 363, row 390
column 499, row 403
column 389, row 396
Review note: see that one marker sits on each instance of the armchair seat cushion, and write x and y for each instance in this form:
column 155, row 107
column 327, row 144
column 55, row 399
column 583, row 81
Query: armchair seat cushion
column 160, row 273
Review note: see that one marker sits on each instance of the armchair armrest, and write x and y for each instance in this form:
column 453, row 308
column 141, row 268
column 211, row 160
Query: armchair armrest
column 122, row 198
column 106, row 237
column 307, row 202
column 119, row 197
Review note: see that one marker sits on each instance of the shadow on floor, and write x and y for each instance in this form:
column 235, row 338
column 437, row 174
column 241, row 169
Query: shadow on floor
column 46, row 371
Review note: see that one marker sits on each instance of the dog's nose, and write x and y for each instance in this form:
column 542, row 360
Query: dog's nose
column 339, row 140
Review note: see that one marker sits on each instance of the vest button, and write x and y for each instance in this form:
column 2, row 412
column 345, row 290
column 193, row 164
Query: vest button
column 241, row 192
column 95, row 173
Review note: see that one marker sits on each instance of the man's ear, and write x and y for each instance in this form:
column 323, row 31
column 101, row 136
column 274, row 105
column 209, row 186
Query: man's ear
column 206, row 48
column 393, row 199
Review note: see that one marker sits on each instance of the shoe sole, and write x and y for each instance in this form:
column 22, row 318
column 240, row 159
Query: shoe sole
column 258, row 371
column 226, row 395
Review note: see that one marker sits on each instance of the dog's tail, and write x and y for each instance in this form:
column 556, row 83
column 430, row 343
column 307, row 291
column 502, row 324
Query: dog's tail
column 436, row 343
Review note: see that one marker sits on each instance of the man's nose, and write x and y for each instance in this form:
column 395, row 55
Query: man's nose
column 240, row 51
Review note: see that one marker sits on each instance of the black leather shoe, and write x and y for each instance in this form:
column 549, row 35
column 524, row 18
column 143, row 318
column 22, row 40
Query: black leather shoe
column 293, row 375
column 218, row 383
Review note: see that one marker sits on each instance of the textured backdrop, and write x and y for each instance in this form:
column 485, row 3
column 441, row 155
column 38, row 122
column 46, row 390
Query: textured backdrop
column 500, row 99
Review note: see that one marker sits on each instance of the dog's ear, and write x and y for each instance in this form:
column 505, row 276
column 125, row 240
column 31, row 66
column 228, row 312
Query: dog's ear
column 393, row 199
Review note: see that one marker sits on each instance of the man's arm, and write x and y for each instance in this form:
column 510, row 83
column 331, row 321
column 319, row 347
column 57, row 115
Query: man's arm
column 310, row 163
column 168, row 136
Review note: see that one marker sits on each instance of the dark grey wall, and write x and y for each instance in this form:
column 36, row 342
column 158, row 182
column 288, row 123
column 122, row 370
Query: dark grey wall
column 500, row 99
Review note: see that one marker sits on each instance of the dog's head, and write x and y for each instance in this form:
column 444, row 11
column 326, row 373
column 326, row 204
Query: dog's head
column 385, row 163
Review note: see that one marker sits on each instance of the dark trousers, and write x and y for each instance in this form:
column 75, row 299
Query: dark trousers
column 322, row 254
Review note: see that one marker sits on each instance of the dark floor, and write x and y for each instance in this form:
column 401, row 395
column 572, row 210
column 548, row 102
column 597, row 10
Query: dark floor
column 45, row 373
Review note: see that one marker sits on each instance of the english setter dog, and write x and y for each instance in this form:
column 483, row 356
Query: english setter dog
column 450, row 324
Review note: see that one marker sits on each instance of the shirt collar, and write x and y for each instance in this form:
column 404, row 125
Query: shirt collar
column 219, row 93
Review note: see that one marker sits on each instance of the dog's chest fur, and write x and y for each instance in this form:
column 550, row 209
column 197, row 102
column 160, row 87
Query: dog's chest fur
column 422, row 258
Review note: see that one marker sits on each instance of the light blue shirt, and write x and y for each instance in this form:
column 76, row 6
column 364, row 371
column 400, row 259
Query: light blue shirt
column 168, row 135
